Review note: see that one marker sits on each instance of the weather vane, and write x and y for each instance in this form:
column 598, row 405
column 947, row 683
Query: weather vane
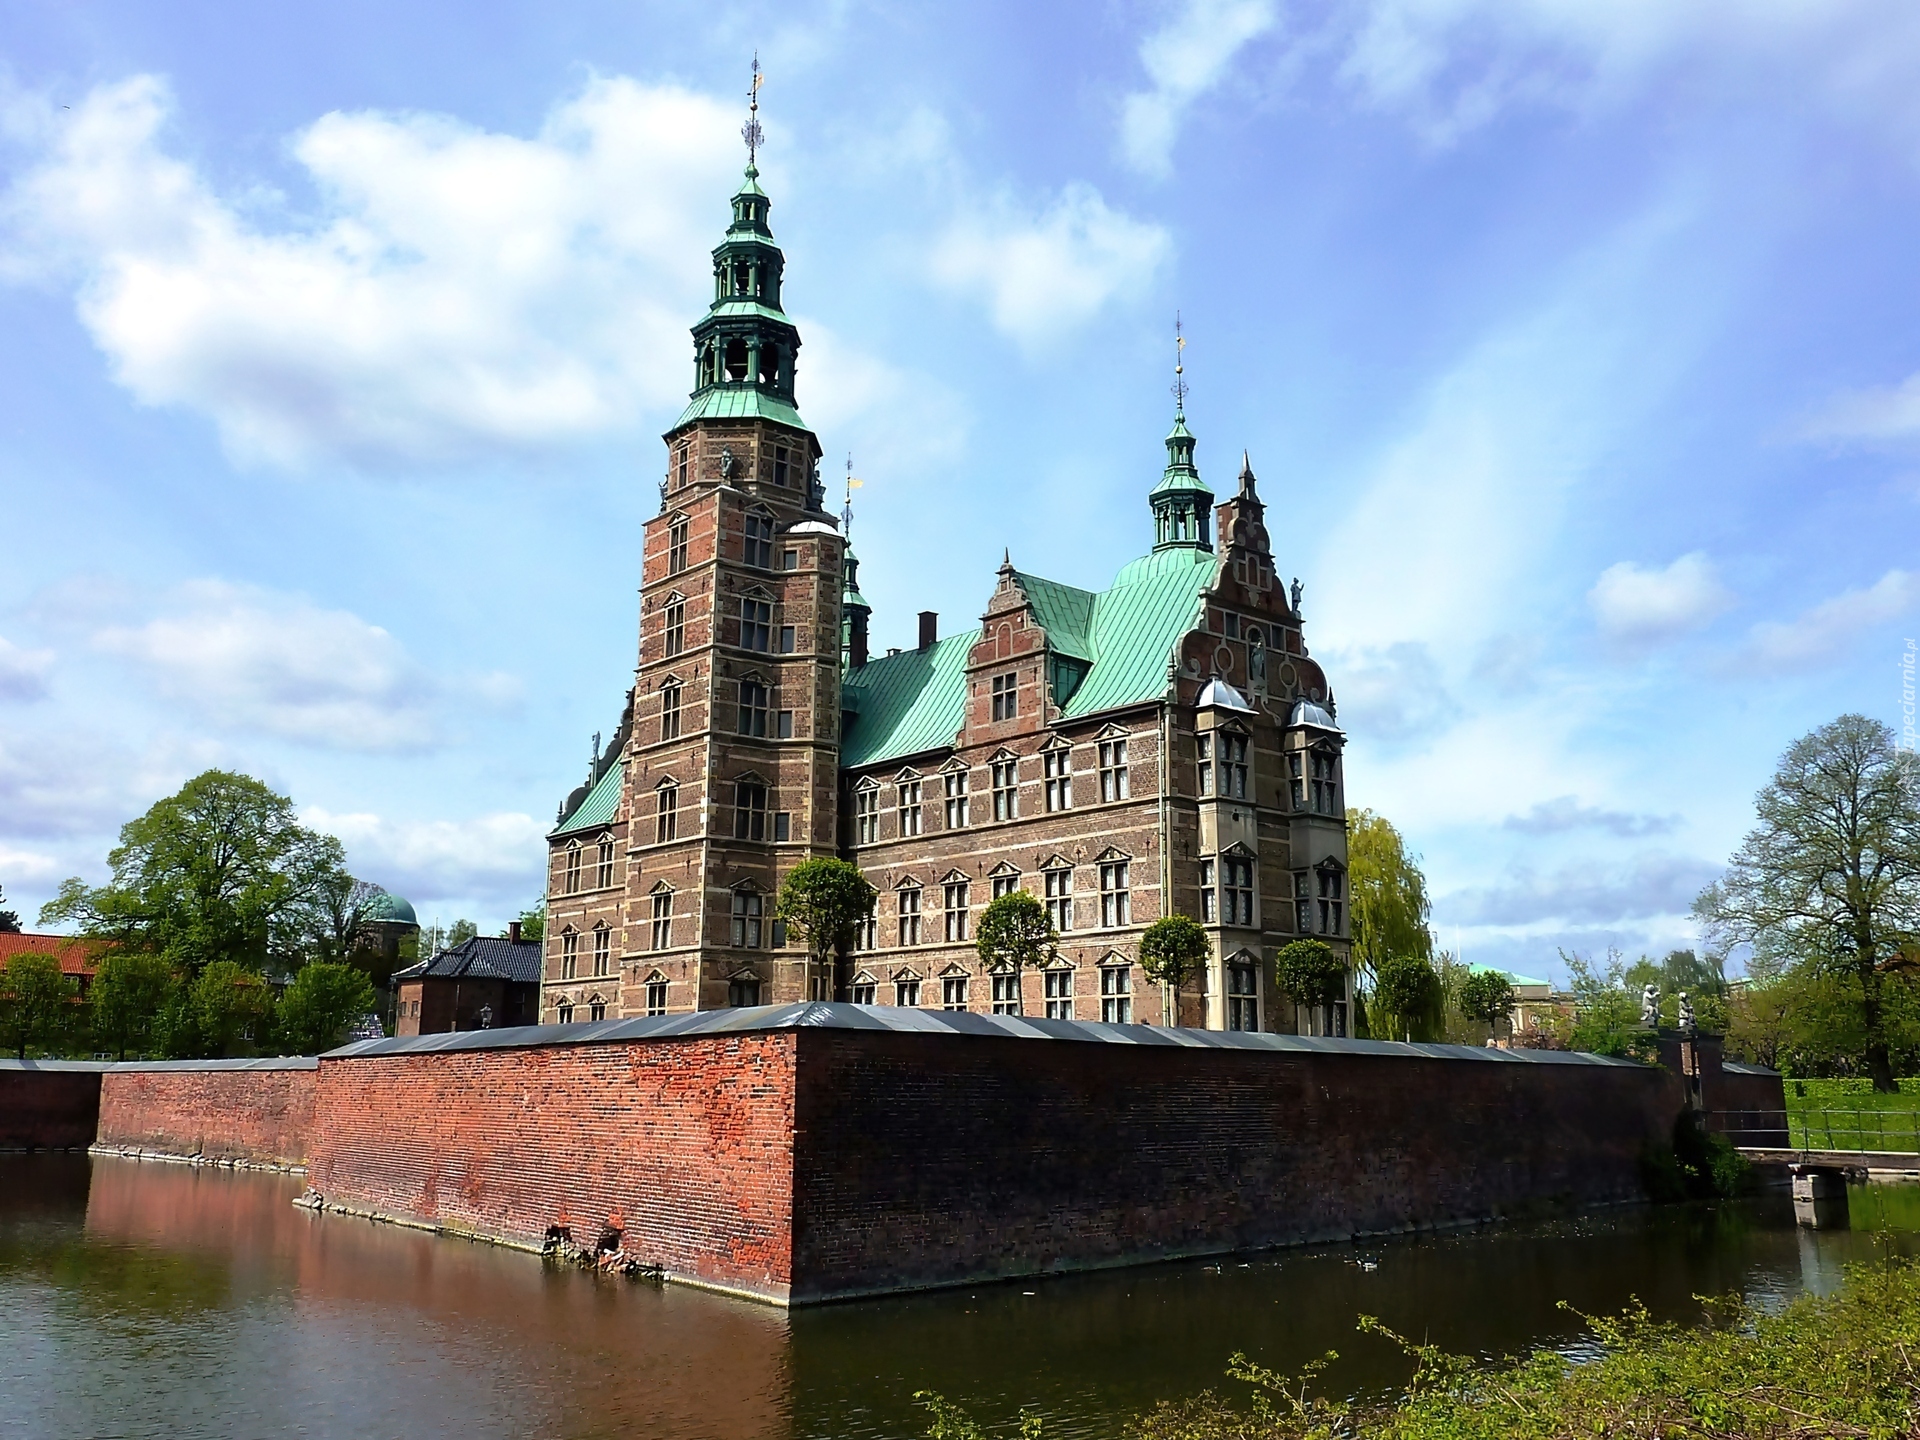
column 1179, row 366
column 846, row 513
column 751, row 131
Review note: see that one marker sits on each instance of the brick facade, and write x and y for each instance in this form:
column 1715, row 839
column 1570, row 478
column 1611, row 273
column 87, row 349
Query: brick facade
column 685, row 1147
column 732, row 762
column 253, row 1112
column 48, row 1105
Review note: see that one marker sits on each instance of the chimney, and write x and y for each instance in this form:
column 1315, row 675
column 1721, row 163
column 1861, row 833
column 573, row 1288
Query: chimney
column 929, row 628
column 513, row 931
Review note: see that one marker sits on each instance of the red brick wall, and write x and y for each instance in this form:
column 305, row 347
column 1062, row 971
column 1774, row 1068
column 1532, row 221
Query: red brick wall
column 259, row 1115
column 47, row 1109
column 930, row 1159
column 686, row 1146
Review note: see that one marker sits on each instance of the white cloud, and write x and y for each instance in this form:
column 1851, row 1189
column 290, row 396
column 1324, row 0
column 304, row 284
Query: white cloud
column 1048, row 271
column 1637, row 606
column 907, row 422
column 1650, row 885
column 1564, row 813
column 1184, row 59
column 498, row 858
column 1821, row 634
column 1391, row 692
column 25, row 865
column 455, row 292
column 248, row 658
column 23, row 673
column 1883, row 413
column 1451, row 66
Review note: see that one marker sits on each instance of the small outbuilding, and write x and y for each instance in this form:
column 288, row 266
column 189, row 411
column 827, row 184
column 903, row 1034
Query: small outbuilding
column 486, row 983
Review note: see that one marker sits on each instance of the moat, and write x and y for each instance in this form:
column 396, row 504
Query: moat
column 158, row 1300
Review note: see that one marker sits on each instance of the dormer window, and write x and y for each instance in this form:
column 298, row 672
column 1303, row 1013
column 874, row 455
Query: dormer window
column 1006, row 704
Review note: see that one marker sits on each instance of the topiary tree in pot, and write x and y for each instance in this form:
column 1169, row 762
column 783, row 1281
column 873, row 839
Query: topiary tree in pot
column 1015, row 933
column 1173, row 948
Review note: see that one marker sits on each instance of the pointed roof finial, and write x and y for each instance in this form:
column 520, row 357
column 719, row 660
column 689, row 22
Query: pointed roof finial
column 1179, row 368
column 846, row 511
column 1246, row 476
column 751, row 131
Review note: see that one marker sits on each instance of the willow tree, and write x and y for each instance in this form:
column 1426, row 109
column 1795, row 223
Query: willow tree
column 1830, row 877
column 1387, row 897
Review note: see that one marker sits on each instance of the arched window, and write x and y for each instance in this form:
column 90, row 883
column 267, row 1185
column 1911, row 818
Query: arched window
column 566, row 1012
column 596, row 1008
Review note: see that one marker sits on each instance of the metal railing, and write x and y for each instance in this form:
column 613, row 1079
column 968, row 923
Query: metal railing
column 1819, row 1127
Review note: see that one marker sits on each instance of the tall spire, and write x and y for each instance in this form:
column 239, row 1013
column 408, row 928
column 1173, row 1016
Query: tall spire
column 751, row 131
column 745, row 347
column 1182, row 505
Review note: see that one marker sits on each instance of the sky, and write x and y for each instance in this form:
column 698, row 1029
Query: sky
column 1576, row 344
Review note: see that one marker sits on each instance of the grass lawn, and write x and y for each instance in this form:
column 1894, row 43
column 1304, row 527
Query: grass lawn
column 1847, row 1115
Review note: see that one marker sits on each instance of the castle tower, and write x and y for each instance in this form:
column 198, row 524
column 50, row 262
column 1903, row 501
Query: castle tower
column 728, row 778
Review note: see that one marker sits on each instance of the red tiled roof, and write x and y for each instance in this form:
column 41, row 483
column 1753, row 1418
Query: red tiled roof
column 77, row 956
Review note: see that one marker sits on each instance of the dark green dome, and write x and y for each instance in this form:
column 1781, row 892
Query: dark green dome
column 390, row 909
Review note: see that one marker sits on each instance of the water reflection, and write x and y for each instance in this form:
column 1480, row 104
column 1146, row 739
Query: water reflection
column 158, row 1300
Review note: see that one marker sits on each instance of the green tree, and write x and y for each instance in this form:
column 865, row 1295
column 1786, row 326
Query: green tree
column 9, row 919
column 1831, row 873
column 1486, row 996
column 824, row 900
column 533, row 922
column 1606, row 1013
column 1310, row 972
column 338, row 914
column 1015, row 934
column 323, row 1000
column 229, row 1004
column 1408, row 1002
column 1172, row 948
column 220, row 871
column 1387, row 904
column 460, row 932
column 36, row 1003
column 130, row 994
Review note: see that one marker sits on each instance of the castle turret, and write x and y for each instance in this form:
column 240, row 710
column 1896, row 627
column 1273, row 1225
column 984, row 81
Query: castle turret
column 1182, row 505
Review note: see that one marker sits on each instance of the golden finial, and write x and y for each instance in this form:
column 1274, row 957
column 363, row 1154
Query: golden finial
column 1179, row 366
column 751, row 131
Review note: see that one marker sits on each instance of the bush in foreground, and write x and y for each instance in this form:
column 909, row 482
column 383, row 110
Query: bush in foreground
column 1844, row 1365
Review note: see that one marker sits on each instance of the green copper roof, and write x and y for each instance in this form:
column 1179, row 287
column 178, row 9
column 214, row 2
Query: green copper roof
column 914, row 702
column 907, row 703
column 388, row 908
column 735, row 305
column 738, row 402
column 1065, row 613
column 600, row 805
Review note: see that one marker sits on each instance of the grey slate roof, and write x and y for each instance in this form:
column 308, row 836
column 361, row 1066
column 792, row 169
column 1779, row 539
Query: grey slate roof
column 819, row 1015
column 485, row 957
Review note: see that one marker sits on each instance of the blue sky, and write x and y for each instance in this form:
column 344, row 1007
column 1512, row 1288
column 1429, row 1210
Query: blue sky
column 1575, row 343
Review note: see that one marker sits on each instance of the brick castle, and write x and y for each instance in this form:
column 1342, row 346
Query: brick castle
column 1165, row 746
